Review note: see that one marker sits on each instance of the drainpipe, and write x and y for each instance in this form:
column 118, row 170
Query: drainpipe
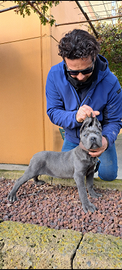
column 87, row 18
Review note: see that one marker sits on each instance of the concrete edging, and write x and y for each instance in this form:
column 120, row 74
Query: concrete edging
column 14, row 175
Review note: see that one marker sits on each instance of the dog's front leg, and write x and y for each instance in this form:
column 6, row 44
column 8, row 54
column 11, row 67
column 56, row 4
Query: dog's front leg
column 89, row 184
column 86, row 204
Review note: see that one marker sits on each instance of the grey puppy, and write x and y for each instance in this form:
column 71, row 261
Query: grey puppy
column 76, row 163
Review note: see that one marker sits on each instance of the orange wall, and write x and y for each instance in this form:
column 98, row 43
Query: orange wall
column 21, row 110
column 27, row 52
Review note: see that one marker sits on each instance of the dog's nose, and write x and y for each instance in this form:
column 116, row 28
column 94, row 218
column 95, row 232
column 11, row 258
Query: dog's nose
column 93, row 139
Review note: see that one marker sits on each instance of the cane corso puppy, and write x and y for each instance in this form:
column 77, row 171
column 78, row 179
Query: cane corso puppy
column 76, row 163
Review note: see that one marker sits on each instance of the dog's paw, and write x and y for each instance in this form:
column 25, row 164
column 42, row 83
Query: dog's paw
column 93, row 194
column 12, row 197
column 39, row 182
column 89, row 206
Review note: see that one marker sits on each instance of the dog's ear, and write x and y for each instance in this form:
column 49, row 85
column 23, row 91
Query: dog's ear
column 96, row 122
column 86, row 123
column 91, row 121
column 99, row 126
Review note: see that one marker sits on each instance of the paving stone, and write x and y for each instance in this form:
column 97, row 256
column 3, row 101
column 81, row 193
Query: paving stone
column 98, row 251
column 27, row 246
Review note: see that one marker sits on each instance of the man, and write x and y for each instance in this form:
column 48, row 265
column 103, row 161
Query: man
column 83, row 83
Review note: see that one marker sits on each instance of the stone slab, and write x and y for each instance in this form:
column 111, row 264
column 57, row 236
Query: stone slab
column 98, row 251
column 27, row 246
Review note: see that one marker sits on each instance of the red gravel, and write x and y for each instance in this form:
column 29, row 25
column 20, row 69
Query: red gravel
column 59, row 207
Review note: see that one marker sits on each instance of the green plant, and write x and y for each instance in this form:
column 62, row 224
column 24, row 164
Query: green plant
column 110, row 39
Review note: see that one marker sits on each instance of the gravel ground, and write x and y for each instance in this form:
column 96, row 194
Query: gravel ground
column 59, row 207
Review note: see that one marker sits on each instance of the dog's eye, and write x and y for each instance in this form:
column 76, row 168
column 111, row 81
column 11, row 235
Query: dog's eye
column 85, row 135
column 97, row 133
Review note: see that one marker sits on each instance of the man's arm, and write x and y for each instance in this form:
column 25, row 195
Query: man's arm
column 112, row 119
column 55, row 107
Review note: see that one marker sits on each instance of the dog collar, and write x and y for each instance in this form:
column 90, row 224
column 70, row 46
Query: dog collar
column 83, row 147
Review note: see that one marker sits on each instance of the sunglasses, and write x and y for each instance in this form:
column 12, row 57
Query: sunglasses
column 83, row 71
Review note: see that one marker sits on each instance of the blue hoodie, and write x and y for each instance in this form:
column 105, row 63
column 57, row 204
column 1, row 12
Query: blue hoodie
column 104, row 95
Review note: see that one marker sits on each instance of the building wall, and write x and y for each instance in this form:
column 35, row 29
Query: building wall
column 27, row 52
column 21, row 92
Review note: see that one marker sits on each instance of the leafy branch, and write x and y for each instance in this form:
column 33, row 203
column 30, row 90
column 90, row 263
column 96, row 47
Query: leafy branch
column 40, row 7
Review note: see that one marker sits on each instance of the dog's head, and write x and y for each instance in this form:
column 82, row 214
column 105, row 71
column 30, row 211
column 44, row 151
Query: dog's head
column 91, row 133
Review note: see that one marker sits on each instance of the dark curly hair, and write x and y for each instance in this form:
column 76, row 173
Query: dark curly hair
column 78, row 44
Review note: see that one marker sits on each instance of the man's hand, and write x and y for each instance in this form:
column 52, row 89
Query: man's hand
column 97, row 152
column 85, row 111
